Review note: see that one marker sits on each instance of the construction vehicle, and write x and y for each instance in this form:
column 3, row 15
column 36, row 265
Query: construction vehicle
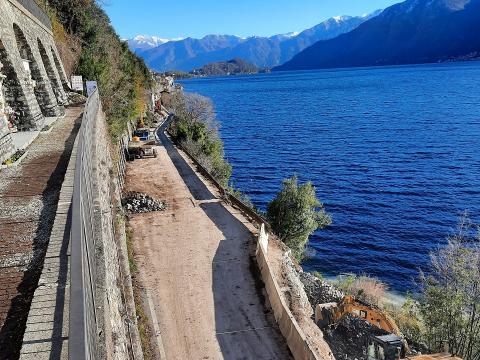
column 140, row 149
column 142, row 144
column 143, row 134
column 391, row 347
column 328, row 314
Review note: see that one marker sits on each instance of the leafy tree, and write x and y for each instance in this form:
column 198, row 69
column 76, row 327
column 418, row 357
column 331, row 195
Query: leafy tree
column 450, row 304
column 296, row 213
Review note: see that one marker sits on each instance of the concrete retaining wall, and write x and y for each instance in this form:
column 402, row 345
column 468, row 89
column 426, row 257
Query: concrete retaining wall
column 289, row 327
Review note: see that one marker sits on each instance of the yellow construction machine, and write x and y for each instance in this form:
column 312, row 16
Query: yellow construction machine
column 391, row 346
column 328, row 314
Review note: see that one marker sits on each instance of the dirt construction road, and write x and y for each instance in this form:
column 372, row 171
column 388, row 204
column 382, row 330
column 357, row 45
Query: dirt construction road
column 196, row 262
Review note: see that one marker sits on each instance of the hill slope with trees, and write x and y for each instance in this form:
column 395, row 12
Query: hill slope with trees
column 232, row 67
column 89, row 46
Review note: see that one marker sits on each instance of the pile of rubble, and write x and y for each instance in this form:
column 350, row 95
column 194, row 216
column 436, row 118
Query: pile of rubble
column 76, row 98
column 137, row 203
column 348, row 338
column 319, row 291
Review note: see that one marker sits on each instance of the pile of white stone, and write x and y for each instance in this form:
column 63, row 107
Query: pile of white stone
column 138, row 203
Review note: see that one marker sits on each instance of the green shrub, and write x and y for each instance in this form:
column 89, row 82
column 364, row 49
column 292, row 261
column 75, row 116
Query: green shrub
column 408, row 319
column 295, row 214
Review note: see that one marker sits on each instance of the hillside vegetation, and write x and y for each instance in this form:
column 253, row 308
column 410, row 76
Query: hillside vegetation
column 232, row 67
column 89, row 46
column 195, row 127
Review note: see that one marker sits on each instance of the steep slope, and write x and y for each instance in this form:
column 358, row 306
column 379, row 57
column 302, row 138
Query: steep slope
column 191, row 53
column 90, row 47
column 416, row 31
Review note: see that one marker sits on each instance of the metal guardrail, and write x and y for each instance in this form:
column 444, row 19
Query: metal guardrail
column 83, row 316
column 37, row 12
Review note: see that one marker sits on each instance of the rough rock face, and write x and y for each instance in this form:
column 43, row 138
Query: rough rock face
column 348, row 339
column 299, row 302
column 142, row 203
column 318, row 291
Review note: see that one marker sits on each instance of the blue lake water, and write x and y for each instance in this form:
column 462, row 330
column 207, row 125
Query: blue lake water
column 394, row 153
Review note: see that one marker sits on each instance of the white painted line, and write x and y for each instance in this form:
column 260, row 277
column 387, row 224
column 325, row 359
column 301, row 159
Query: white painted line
column 156, row 328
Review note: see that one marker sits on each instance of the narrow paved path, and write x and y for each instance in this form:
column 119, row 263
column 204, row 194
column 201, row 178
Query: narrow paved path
column 28, row 202
column 196, row 261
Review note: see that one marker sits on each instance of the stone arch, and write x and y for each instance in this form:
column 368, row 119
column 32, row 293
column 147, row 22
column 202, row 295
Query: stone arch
column 39, row 84
column 14, row 94
column 52, row 76
column 60, row 71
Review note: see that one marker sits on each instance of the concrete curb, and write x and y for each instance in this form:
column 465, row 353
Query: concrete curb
column 156, row 328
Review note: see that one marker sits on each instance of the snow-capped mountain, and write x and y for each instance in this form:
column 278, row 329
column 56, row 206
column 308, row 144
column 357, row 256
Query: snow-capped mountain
column 189, row 53
column 145, row 42
column 415, row 31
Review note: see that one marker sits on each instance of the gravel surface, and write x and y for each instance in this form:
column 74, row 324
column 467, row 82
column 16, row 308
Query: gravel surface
column 196, row 259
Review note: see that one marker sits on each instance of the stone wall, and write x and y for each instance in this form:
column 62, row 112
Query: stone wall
column 109, row 296
column 35, row 79
column 6, row 145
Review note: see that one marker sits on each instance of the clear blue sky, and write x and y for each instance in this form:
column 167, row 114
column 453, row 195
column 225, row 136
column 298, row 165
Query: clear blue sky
column 197, row 18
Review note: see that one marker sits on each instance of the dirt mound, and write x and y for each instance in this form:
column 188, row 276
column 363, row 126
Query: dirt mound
column 137, row 203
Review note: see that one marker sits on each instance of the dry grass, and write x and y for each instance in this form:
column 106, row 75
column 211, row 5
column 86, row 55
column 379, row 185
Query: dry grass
column 364, row 288
column 143, row 323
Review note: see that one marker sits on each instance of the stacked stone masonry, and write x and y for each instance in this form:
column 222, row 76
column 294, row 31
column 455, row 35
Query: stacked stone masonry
column 34, row 80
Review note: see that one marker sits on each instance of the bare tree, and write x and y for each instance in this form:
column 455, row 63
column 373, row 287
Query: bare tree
column 451, row 294
column 194, row 108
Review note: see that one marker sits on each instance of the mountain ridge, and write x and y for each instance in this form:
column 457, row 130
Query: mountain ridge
column 190, row 53
column 415, row 31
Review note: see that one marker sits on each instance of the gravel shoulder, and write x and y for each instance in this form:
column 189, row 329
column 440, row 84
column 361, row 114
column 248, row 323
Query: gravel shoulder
column 196, row 260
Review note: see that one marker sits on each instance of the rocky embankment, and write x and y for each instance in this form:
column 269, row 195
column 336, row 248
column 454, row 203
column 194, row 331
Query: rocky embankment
column 348, row 338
